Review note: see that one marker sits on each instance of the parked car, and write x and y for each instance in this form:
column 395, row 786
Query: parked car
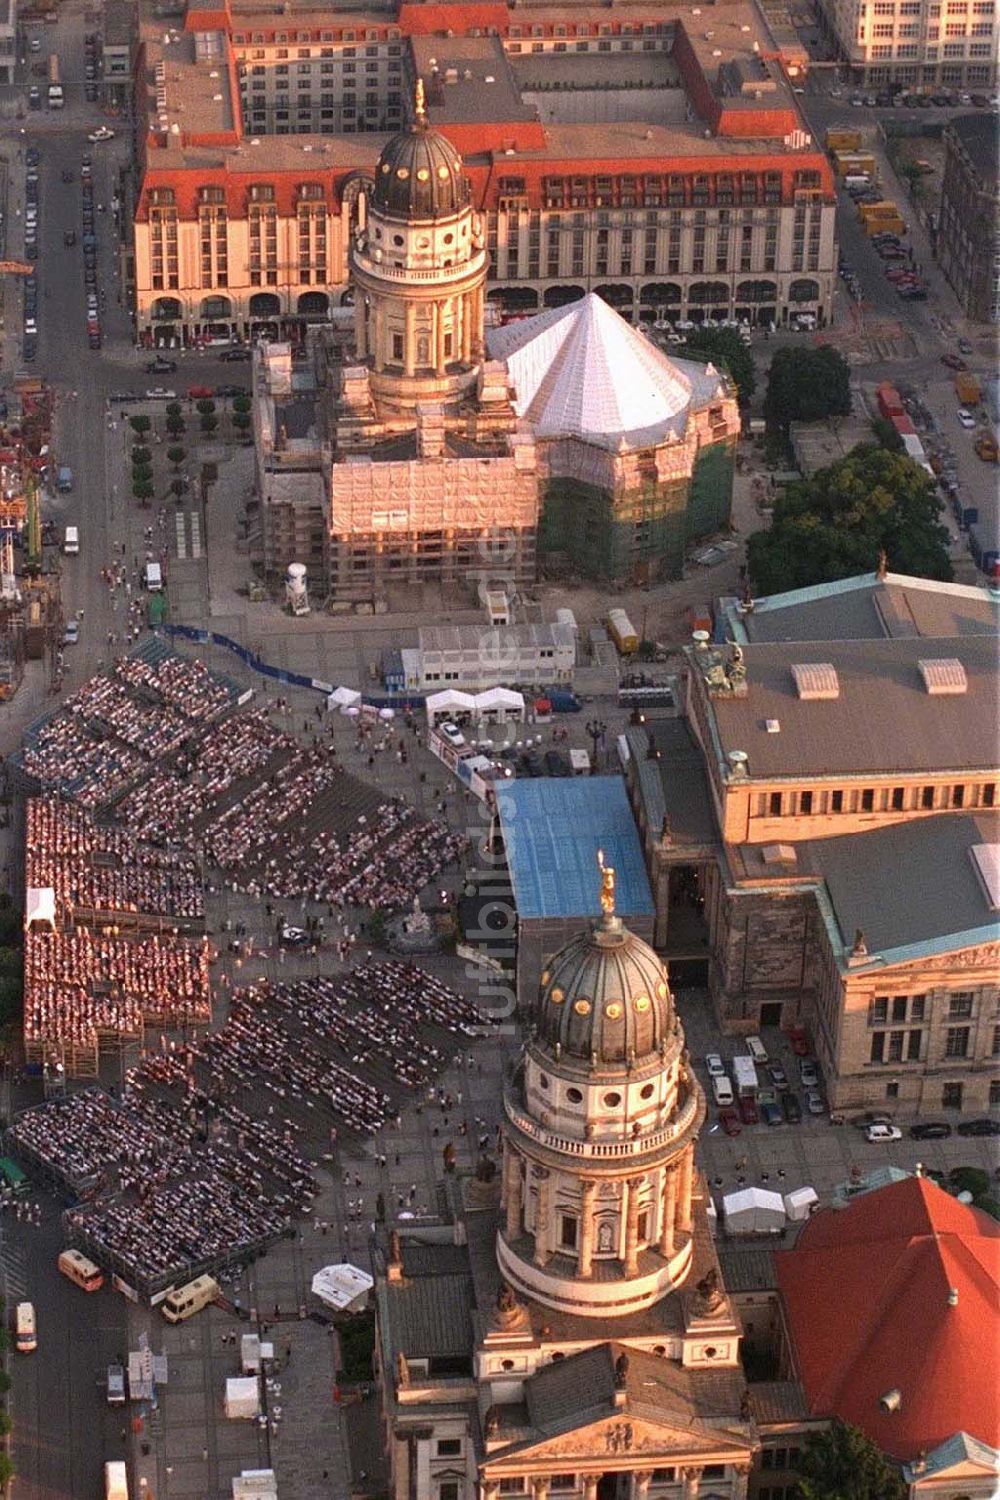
column 966, row 418
column 160, row 393
column 730, row 1121
column 883, row 1134
column 200, row 393
column 293, row 937
column 72, row 633
column 722, row 1089
column 102, row 133
column 815, row 1103
column 792, row 1108
column 978, row 1127
column 715, row 1066
column 228, row 392
column 930, row 1130
column 808, row 1073
column 771, row 1114
column 34, row 98
column 749, row 1112
column 161, row 366
column 778, row 1077
column 556, row 764
column 954, row 362
column 964, row 346
column 235, row 355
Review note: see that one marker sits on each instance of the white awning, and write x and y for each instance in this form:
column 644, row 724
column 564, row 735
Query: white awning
column 753, row 1211
column 800, row 1202
column 341, row 698
column 499, row 697
column 40, row 907
column 451, row 701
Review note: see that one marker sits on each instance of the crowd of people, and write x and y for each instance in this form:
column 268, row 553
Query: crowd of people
column 179, row 681
column 242, row 838
column 85, row 984
column 178, row 798
column 101, row 868
column 64, row 756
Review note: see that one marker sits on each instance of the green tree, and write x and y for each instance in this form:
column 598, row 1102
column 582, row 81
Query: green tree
column 178, row 487
column 174, row 409
column 209, row 422
column 886, row 435
column 141, row 473
column 972, row 1180
column 241, row 403
column 206, row 408
column 175, row 424
column 241, row 421
column 176, row 455
column 142, row 490
column 6, row 1425
column 140, row 424
column 727, row 351
column 842, row 1464
column 835, row 524
column 805, row 384
column 141, row 455
column 7, row 1470
column 5, row 1382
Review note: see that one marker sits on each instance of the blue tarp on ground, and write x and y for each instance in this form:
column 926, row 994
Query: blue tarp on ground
column 553, row 828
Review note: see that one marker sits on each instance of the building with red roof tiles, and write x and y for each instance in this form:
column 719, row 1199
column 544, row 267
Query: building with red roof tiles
column 890, row 1314
column 649, row 154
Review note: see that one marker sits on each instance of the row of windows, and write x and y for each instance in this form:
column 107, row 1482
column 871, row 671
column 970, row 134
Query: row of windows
column 910, row 1046
column 897, row 1008
column 876, row 799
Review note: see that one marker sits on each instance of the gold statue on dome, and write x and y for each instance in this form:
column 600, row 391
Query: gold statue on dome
column 420, row 103
column 607, row 885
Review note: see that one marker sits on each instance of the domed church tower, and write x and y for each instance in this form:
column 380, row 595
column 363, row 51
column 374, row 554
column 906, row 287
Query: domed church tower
column 418, row 266
column 600, row 1124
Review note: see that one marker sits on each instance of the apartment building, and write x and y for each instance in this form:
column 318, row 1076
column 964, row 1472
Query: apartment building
column 824, row 826
column 968, row 236
column 917, row 42
column 654, row 155
column 8, row 40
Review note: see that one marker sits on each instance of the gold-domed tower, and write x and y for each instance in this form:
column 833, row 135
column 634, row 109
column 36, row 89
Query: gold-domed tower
column 419, row 266
column 600, row 1123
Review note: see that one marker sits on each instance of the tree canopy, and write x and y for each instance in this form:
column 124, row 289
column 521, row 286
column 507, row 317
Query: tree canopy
column 805, row 384
column 727, row 351
column 834, row 524
column 842, row 1464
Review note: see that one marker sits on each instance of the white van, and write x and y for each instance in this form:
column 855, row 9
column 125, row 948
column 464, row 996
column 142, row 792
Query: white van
column 79, row 1269
column 116, row 1385
column 722, row 1089
column 756, row 1049
column 25, row 1331
column 185, row 1301
column 153, row 577
column 115, row 1481
column 71, row 541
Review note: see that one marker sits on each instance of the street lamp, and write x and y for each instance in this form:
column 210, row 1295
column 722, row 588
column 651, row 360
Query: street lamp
column 596, row 729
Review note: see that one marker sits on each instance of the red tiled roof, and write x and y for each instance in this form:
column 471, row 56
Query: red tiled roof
column 208, row 20
column 866, row 1294
column 426, row 20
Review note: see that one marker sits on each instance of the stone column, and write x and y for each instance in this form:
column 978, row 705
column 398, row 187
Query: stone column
column 541, row 1255
column 477, row 322
column 376, row 335
column 742, row 1481
column 641, row 1480
column 668, row 1212
column 490, row 1490
column 512, row 1193
column 684, row 1191
column 540, row 1486
column 439, row 362
column 465, row 303
column 631, row 1261
column 409, row 339
column 585, row 1255
column 692, row 1483
column 590, row 1483
column 361, row 315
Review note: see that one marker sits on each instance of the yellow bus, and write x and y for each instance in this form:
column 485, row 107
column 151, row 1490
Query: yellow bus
column 27, row 1337
column 81, row 1270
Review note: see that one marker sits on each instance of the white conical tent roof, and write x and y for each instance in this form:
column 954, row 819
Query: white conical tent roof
column 583, row 371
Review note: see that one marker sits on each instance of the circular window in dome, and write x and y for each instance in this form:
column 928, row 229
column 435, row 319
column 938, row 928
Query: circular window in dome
column 423, row 175
column 582, row 1007
column 397, row 239
column 661, row 989
column 386, row 167
column 647, row 1092
column 402, row 173
column 574, row 1096
column 443, row 173
column 556, row 996
column 612, row 1101
column 641, row 1003
column 448, row 238
column 613, row 1011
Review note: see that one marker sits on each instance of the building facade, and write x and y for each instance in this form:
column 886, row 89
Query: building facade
column 812, row 767
column 914, row 43
column 691, row 190
column 968, row 234
column 473, row 657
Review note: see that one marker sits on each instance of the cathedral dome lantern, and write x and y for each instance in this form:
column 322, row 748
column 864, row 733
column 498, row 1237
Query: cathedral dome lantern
column 420, row 174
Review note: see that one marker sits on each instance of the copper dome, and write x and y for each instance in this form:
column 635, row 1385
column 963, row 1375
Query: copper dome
column 420, row 174
column 604, row 997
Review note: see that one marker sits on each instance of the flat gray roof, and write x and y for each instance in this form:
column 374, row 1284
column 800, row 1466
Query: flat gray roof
column 674, row 785
column 869, row 608
column 883, row 719
column 909, row 885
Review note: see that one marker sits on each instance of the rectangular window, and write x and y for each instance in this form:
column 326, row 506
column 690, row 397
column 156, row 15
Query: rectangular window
column 957, row 796
column 567, row 1232
column 878, row 1047
column 994, row 1098
column 774, row 804
column 926, row 797
column 868, row 800
column 805, row 803
column 918, row 1005
column 960, row 1005
column 951, row 1096
column 397, row 346
column 989, row 794
column 449, row 1447
column 878, row 1011
column 898, row 798
column 836, row 802
column 913, row 1042
column 956, row 1041
column 896, row 1046
column 899, row 1008
column 996, row 1041
column 448, row 1489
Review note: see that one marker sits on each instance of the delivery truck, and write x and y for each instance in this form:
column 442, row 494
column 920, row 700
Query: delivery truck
column 967, row 389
